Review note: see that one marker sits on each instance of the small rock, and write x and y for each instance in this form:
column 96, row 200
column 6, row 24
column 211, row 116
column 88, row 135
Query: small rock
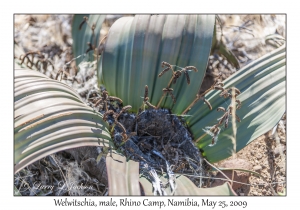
column 279, row 148
column 257, row 168
column 258, row 155
column 254, row 193
column 282, row 179
column 283, row 140
column 281, row 165
column 242, row 194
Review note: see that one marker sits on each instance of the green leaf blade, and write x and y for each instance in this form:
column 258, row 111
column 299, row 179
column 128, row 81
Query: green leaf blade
column 134, row 59
column 83, row 36
column 50, row 117
column 262, row 84
column 123, row 175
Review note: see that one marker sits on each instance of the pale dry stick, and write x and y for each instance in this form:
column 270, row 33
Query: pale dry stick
column 233, row 139
column 215, row 134
column 164, row 93
column 102, row 40
column 74, row 59
column 232, row 177
column 169, row 84
column 226, row 179
column 200, row 137
column 234, row 128
column 96, row 50
column 63, row 71
column 219, row 171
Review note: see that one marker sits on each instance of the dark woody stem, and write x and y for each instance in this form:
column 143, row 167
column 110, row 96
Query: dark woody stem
column 164, row 93
column 198, row 97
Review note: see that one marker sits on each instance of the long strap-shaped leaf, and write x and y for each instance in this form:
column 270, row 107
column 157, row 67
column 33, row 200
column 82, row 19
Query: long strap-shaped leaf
column 185, row 186
column 83, row 36
column 50, row 117
column 124, row 179
column 123, row 175
column 263, row 98
column 136, row 47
